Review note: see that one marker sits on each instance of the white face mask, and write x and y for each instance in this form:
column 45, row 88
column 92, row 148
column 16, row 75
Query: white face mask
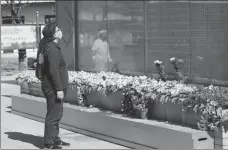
column 58, row 34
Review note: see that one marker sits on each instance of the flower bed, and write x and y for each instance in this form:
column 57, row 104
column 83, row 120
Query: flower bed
column 169, row 101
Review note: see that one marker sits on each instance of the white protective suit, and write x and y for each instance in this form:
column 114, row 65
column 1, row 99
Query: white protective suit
column 101, row 55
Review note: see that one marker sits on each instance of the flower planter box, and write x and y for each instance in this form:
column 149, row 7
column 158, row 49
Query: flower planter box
column 156, row 110
column 31, row 89
column 111, row 102
column 221, row 136
column 137, row 85
column 71, row 96
column 142, row 114
column 190, row 118
column 173, row 112
column 132, row 133
column 25, row 88
column 35, row 90
column 162, row 111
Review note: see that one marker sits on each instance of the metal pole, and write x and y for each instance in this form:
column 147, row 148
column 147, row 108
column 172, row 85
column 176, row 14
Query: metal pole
column 145, row 37
column 37, row 28
column 0, row 29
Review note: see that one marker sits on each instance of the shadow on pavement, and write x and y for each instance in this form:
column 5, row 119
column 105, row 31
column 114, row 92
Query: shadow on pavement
column 9, row 96
column 37, row 141
column 14, row 82
column 9, row 111
column 9, row 107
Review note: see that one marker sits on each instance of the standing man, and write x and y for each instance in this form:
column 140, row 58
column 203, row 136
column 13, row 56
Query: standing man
column 100, row 52
column 54, row 84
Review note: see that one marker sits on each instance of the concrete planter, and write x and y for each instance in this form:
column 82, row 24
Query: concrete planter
column 72, row 96
column 173, row 112
column 31, row 89
column 25, row 88
column 111, row 102
column 156, row 110
column 142, row 114
column 190, row 118
column 162, row 111
column 221, row 136
column 35, row 90
column 132, row 133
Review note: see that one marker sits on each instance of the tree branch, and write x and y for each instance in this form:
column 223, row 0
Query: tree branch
column 6, row 5
column 24, row 5
column 66, row 8
column 7, row 1
column 16, row 7
column 19, row 2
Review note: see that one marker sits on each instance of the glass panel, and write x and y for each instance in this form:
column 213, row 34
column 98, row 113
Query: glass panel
column 193, row 31
column 126, row 35
column 217, row 54
column 65, row 22
column 168, row 34
column 209, row 39
column 91, row 21
column 198, row 28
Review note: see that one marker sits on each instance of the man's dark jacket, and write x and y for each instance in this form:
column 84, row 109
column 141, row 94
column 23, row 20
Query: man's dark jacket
column 55, row 71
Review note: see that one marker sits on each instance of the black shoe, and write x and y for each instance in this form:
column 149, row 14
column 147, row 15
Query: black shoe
column 61, row 143
column 52, row 147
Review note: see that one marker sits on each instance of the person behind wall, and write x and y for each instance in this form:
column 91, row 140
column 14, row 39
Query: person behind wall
column 54, row 84
column 100, row 52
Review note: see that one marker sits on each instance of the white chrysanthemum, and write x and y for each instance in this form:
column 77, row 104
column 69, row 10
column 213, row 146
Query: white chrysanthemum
column 157, row 62
column 172, row 59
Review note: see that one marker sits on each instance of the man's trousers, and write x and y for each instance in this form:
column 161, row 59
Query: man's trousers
column 53, row 116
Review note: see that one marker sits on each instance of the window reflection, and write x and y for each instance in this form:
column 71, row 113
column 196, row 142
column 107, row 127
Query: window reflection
column 100, row 52
column 183, row 30
column 126, row 34
column 124, row 23
column 91, row 20
column 168, row 34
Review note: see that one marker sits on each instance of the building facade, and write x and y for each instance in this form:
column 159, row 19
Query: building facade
column 141, row 32
column 46, row 11
column 28, row 15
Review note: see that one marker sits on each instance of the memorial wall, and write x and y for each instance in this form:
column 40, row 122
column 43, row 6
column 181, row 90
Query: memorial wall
column 140, row 32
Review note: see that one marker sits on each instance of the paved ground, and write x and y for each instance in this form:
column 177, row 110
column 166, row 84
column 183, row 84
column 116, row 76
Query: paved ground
column 21, row 133
column 14, row 56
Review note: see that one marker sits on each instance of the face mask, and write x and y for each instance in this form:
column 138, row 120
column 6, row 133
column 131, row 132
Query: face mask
column 58, row 34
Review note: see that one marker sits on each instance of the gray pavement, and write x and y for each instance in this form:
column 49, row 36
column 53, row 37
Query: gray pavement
column 22, row 133
column 14, row 56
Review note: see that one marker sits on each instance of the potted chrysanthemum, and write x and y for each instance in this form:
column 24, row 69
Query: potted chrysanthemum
column 175, row 63
column 160, row 69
